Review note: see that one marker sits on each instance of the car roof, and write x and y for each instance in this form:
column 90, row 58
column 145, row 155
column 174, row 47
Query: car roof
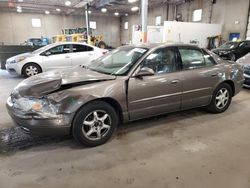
column 158, row 45
column 62, row 43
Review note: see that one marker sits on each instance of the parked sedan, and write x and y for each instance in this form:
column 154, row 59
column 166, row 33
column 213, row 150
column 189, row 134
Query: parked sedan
column 245, row 62
column 233, row 50
column 130, row 83
column 53, row 56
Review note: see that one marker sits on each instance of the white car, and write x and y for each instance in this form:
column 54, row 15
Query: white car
column 53, row 56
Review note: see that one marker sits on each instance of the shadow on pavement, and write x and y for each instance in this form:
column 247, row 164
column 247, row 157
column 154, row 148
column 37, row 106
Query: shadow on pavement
column 14, row 139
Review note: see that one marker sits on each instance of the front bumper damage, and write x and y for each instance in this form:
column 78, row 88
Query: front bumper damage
column 40, row 124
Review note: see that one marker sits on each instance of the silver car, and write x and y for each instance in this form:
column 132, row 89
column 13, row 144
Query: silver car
column 130, row 83
column 245, row 63
column 53, row 56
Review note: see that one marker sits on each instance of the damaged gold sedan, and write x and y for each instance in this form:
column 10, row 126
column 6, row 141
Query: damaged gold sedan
column 130, row 83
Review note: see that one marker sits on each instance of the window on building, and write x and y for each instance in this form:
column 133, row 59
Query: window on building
column 92, row 25
column 158, row 20
column 36, row 22
column 126, row 25
column 197, row 15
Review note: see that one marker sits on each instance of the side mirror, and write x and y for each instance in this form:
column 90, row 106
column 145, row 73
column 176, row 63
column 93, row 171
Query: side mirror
column 145, row 71
column 48, row 53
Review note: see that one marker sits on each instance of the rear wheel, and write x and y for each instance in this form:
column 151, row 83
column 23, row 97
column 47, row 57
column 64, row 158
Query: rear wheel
column 31, row 69
column 94, row 124
column 221, row 99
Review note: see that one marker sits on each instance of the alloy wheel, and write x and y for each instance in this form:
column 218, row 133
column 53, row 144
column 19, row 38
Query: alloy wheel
column 96, row 125
column 222, row 98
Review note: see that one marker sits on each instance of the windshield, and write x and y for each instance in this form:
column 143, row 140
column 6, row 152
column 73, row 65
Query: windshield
column 119, row 61
column 229, row 45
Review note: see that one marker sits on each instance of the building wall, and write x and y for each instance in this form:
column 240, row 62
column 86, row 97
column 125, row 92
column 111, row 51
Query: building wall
column 126, row 35
column 224, row 12
column 16, row 28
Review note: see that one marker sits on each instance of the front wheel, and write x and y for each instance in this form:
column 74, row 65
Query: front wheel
column 94, row 124
column 31, row 69
column 221, row 99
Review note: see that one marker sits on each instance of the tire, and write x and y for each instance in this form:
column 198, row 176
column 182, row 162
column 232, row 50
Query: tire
column 93, row 132
column 232, row 57
column 102, row 45
column 31, row 69
column 217, row 105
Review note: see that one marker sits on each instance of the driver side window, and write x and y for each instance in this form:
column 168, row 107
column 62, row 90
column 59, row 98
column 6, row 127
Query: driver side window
column 245, row 44
column 161, row 61
column 61, row 49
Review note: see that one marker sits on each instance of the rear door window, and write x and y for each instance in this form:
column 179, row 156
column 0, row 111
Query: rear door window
column 191, row 58
column 208, row 59
column 81, row 48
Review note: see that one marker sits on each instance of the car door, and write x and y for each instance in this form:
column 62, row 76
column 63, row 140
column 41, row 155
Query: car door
column 200, row 75
column 57, row 57
column 158, row 93
column 82, row 54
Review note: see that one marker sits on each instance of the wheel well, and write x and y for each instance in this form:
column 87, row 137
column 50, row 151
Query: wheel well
column 108, row 100
column 31, row 63
column 115, row 105
column 231, row 83
column 111, row 102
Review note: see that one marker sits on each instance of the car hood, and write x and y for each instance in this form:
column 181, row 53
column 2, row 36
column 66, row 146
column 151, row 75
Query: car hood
column 24, row 55
column 45, row 83
column 222, row 50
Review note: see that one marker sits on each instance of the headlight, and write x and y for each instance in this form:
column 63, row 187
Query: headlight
column 246, row 69
column 20, row 59
column 12, row 62
column 246, row 66
column 35, row 105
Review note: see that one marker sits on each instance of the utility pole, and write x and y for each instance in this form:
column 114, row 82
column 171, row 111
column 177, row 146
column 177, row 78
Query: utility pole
column 144, row 19
column 87, row 22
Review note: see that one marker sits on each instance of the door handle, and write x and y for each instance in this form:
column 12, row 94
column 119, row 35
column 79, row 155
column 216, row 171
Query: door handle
column 214, row 74
column 90, row 54
column 175, row 81
column 67, row 56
